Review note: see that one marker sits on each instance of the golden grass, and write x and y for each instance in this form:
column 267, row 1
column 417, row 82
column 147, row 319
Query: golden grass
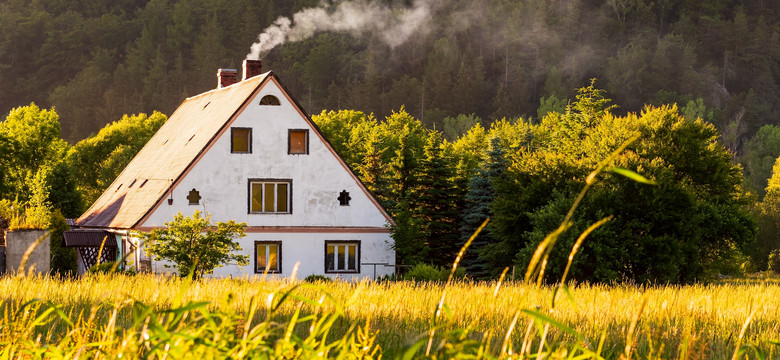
column 696, row 321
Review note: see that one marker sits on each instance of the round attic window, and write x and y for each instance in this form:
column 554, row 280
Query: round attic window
column 269, row 100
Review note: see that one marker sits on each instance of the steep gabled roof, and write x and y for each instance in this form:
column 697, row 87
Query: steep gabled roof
column 177, row 145
column 149, row 176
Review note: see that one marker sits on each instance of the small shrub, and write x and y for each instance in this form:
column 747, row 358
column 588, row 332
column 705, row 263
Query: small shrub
column 105, row 267
column 108, row 267
column 35, row 213
column 63, row 259
column 749, row 267
column 24, row 216
column 316, row 278
column 388, row 278
column 423, row 272
column 427, row 272
column 774, row 261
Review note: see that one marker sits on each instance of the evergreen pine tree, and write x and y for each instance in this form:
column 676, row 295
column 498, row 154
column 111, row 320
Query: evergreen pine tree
column 437, row 197
column 479, row 198
column 372, row 171
column 408, row 241
column 477, row 209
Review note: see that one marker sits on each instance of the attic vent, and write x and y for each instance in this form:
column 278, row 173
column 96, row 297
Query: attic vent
column 188, row 141
column 143, row 183
column 165, row 142
column 194, row 197
column 344, row 198
column 269, row 100
column 207, row 104
column 118, row 187
column 131, row 184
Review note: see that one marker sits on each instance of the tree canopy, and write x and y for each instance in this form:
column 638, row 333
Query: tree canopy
column 99, row 159
column 693, row 225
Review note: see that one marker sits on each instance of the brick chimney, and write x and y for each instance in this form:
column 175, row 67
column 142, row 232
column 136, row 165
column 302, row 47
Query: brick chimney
column 226, row 77
column 252, row 68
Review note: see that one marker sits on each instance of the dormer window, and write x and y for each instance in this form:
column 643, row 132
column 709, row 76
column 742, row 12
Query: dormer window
column 269, row 100
column 298, row 142
column 241, row 140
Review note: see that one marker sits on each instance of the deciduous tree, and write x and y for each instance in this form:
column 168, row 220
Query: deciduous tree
column 693, row 225
column 196, row 246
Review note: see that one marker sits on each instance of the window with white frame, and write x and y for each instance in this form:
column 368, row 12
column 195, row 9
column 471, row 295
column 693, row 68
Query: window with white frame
column 342, row 256
column 268, row 257
column 270, row 196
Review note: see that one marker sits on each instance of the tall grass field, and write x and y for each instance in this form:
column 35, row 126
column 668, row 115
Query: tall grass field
column 148, row 316
column 116, row 316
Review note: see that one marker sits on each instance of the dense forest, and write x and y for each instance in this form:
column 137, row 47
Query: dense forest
column 499, row 102
column 95, row 61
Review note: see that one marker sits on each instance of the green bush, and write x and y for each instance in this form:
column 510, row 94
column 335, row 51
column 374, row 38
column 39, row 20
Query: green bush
column 388, row 278
column 317, row 278
column 427, row 272
column 774, row 261
column 63, row 259
column 34, row 213
column 105, row 267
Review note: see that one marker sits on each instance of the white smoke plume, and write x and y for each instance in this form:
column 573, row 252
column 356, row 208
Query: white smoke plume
column 393, row 24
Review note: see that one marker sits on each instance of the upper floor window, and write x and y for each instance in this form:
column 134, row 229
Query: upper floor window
column 270, row 196
column 269, row 100
column 240, row 140
column 298, row 141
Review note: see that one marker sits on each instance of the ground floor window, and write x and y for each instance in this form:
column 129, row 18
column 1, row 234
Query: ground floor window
column 342, row 256
column 268, row 256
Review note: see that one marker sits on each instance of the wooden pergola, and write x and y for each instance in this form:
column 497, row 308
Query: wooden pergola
column 92, row 244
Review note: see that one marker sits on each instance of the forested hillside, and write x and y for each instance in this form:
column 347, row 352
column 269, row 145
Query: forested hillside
column 95, row 61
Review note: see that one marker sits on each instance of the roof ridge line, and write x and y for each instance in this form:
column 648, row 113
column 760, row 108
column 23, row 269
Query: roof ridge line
column 227, row 87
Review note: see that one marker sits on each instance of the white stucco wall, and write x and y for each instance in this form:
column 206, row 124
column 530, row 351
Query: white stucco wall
column 307, row 249
column 222, row 180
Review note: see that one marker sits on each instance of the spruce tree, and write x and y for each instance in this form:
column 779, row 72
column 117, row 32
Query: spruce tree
column 436, row 195
column 372, row 171
column 409, row 243
column 479, row 199
column 477, row 209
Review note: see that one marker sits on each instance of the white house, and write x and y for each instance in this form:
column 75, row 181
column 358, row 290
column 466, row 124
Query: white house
column 246, row 151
